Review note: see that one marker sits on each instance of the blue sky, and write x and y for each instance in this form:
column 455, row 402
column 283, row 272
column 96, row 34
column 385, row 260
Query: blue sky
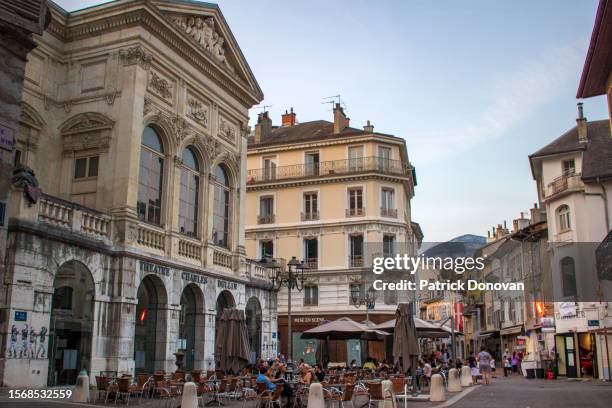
column 473, row 86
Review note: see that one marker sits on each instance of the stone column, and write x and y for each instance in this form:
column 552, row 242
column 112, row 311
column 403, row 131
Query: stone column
column 128, row 129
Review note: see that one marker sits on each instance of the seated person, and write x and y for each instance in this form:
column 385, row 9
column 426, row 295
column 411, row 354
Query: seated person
column 369, row 365
column 307, row 375
column 319, row 373
column 265, row 376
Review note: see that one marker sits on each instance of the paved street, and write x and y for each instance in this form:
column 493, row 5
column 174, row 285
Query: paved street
column 514, row 392
column 517, row 392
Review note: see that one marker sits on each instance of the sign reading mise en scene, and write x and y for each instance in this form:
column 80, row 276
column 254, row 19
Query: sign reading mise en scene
column 149, row 267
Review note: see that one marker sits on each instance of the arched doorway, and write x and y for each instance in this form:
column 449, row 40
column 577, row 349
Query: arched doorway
column 70, row 328
column 253, row 322
column 150, row 327
column 191, row 326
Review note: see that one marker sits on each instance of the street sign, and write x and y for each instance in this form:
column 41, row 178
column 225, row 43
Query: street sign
column 7, row 139
column 593, row 323
column 21, row 316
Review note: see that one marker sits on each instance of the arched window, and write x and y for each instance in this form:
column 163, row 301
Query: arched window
column 188, row 200
column 563, row 218
column 568, row 274
column 151, row 177
column 221, row 217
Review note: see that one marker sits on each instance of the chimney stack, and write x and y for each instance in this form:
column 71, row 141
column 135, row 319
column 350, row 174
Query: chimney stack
column 263, row 128
column 288, row 119
column 368, row 127
column 581, row 123
column 341, row 122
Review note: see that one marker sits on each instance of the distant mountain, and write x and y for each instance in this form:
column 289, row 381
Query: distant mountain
column 470, row 239
column 462, row 246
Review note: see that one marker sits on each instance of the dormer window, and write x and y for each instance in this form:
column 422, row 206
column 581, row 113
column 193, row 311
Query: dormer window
column 569, row 167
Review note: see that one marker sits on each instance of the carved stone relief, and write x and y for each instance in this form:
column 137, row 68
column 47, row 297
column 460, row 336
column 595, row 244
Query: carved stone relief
column 160, row 86
column 202, row 30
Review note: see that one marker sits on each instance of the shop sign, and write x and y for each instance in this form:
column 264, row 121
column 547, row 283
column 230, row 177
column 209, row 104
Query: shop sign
column 567, row 309
column 521, row 340
column 7, row 140
column 548, row 324
column 593, row 323
column 308, row 319
column 227, row 285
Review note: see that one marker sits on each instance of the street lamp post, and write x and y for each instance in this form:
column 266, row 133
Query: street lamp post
column 291, row 278
column 368, row 299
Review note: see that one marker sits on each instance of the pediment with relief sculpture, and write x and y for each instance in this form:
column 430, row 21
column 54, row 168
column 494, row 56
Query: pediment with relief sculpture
column 204, row 25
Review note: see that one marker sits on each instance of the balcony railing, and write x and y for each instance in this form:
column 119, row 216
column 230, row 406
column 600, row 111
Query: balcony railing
column 355, row 212
column 355, row 261
column 328, row 168
column 265, row 219
column 310, row 216
column 564, row 183
column 388, row 212
column 312, row 263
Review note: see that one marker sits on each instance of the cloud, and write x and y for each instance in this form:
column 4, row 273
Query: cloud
column 513, row 98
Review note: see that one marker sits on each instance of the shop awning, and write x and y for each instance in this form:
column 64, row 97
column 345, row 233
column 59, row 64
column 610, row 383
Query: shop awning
column 484, row 335
column 511, row 330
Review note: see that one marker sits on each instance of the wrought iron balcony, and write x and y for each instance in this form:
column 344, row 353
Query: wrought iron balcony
column 328, row 168
column 355, row 261
column 355, row 212
column 310, row 216
column 312, row 263
column 388, row 212
column 265, row 219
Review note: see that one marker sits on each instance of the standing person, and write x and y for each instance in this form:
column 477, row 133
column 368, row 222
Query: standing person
column 519, row 357
column 493, row 374
column 514, row 361
column 507, row 365
column 484, row 364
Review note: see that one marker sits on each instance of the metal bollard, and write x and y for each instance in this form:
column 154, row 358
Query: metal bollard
column 81, row 390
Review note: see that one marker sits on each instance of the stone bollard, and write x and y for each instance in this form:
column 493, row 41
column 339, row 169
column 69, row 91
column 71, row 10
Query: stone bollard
column 437, row 393
column 466, row 376
column 190, row 396
column 315, row 396
column 388, row 394
column 81, row 389
column 454, row 384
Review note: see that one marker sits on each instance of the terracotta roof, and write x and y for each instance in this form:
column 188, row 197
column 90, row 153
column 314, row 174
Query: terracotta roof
column 597, row 156
column 305, row 132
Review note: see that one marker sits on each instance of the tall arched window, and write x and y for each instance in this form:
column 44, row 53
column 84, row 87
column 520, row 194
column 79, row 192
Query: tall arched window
column 568, row 275
column 151, row 177
column 188, row 200
column 563, row 218
column 221, row 210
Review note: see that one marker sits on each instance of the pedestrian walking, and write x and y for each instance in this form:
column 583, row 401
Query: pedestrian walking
column 493, row 374
column 484, row 363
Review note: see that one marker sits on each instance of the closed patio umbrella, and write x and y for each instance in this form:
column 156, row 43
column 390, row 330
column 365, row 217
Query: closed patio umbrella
column 232, row 344
column 405, row 344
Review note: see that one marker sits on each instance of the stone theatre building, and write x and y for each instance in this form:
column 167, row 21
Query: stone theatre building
column 128, row 241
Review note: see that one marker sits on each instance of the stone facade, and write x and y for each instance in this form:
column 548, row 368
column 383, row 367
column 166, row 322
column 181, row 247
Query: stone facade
column 93, row 280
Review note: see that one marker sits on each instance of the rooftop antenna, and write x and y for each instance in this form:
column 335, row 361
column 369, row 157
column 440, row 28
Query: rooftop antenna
column 262, row 107
column 333, row 101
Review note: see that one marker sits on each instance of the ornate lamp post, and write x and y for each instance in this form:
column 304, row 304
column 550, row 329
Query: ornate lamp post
column 292, row 278
column 368, row 299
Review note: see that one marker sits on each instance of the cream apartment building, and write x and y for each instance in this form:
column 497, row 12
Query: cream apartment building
column 333, row 196
column 126, row 219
